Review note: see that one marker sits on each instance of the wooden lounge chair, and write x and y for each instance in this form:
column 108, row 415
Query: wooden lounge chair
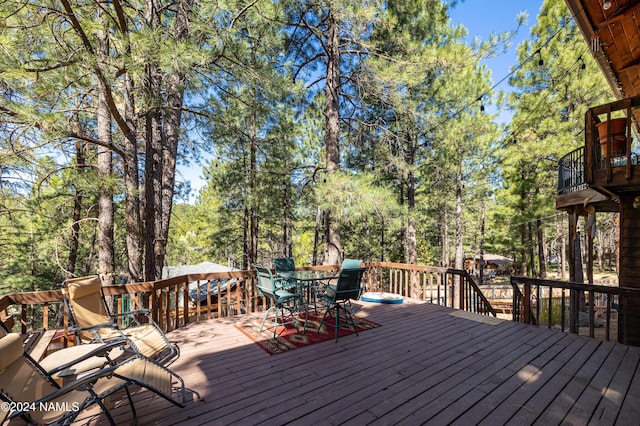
column 33, row 394
column 92, row 321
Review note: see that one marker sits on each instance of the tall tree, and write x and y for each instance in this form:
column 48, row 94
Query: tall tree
column 555, row 84
column 328, row 35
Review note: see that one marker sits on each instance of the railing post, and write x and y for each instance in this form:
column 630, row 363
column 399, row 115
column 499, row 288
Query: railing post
column 23, row 318
column 526, row 304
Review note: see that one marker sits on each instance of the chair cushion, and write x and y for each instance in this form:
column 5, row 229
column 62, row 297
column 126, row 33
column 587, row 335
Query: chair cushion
column 281, row 294
column 84, row 286
column 11, row 349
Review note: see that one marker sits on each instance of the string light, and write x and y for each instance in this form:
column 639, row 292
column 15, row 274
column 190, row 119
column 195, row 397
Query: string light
column 540, row 60
column 514, row 70
column 606, row 5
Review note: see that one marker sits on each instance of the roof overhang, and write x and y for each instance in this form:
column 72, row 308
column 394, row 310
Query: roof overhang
column 614, row 39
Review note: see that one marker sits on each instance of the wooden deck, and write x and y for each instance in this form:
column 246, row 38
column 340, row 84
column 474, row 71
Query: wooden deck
column 426, row 364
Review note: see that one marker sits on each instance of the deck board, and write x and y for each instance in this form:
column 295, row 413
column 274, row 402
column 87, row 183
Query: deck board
column 422, row 366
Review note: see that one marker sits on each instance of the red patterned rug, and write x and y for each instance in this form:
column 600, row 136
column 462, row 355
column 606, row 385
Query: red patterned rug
column 289, row 338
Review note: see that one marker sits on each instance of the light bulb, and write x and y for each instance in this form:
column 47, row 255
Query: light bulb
column 606, row 5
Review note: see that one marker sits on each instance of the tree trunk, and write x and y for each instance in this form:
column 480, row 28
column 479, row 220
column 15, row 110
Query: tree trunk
column 287, row 242
column 562, row 264
column 600, row 249
column 172, row 123
column 411, row 242
column 530, row 241
column 106, row 251
column 459, row 248
column 523, row 249
column 316, row 236
column 542, row 259
column 153, row 184
column 252, row 253
column 128, row 124
column 333, row 248
column 481, row 260
column 445, row 236
column 77, row 212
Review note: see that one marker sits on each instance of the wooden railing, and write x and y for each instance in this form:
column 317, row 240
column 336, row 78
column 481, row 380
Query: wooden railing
column 599, row 169
column 574, row 307
column 173, row 306
column 443, row 286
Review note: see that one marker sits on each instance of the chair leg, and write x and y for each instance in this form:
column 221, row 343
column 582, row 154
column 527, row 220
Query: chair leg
column 264, row 319
column 276, row 322
column 337, row 320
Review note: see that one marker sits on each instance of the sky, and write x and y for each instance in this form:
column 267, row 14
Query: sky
column 481, row 18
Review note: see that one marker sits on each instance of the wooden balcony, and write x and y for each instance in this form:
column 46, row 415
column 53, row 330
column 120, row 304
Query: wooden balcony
column 611, row 158
column 608, row 165
column 426, row 364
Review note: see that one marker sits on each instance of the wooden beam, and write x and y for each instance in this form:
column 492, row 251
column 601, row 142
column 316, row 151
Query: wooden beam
column 618, row 15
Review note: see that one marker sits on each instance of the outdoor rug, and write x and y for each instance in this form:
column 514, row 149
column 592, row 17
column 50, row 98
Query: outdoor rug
column 289, row 338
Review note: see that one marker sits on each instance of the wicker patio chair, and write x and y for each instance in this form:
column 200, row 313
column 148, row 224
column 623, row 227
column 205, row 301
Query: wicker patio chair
column 93, row 322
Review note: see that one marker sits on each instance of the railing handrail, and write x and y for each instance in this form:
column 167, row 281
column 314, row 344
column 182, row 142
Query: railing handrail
column 171, row 306
column 581, row 298
column 571, row 172
column 570, row 285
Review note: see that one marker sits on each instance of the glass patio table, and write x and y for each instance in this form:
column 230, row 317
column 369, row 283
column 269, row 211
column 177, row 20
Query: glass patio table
column 307, row 281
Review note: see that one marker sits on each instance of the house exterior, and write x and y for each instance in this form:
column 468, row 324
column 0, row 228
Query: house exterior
column 604, row 175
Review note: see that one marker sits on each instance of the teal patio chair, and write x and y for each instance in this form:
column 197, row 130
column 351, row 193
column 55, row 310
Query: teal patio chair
column 281, row 300
column 338, row 298
column 351, row 264
column 285, row 264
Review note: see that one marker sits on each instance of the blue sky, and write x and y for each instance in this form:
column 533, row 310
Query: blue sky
column 481, row 18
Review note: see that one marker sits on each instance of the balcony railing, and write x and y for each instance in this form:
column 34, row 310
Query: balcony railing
column 610, row 162
column 579, row 308
column 571, row 172
column 172, row 306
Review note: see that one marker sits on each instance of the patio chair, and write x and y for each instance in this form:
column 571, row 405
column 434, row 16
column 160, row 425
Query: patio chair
column 346, row 264
column 34, row 395
column 63, row 362
column 280, row 299
column 93, row 323
column 338, row 298
column 351, row 264
column 285, row 264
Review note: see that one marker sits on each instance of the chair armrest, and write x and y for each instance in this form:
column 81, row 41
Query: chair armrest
column 94, row 327
column 83, row 383
column 101, row 351
column 134, row 312
column 351, row 290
